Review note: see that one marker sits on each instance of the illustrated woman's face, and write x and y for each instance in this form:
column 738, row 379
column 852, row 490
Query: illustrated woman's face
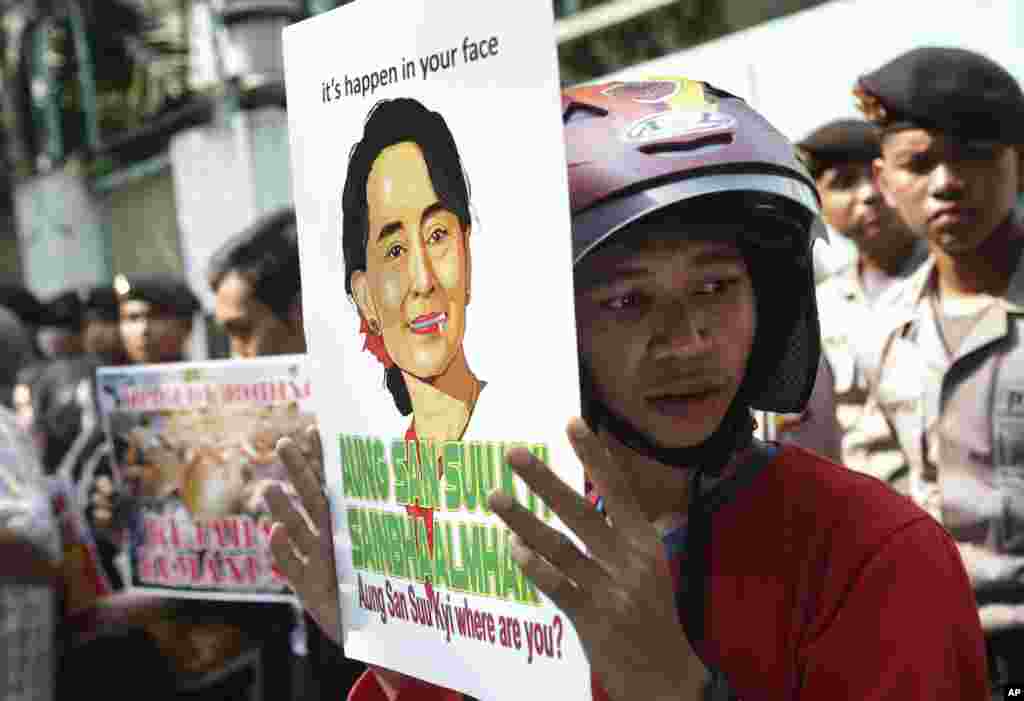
column 416, row 283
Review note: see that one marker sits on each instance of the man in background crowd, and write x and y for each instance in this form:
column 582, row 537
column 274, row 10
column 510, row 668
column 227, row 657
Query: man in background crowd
column 156, row 315
column 101, row 332
column 839, row 157
column 61, row 332
column 255, row 277
column 949, row 368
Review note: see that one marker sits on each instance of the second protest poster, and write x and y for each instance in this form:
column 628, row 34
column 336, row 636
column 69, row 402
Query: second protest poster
column 430, row 187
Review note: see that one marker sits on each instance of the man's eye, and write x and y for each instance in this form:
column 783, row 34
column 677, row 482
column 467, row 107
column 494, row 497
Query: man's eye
column 393, row 251
column 716, row 287
column 626, row 301
column 437, row 235
column 919, row 164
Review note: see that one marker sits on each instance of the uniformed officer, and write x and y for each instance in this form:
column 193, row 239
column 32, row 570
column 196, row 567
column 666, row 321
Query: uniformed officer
column 60, row 335
column 949, row 370
column 839, row 155
column 101, row 335
column 156, row 314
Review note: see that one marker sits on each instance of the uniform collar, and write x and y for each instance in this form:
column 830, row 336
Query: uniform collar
column 848, row 277
column 923, row 280
column 910, row 303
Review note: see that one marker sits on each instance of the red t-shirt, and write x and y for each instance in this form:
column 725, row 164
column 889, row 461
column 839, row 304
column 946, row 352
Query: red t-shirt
column 824, row 584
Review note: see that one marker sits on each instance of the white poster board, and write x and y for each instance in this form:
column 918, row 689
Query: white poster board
column 467, row 296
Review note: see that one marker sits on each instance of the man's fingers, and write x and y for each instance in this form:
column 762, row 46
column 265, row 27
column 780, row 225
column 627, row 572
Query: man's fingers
column 285, row 558
column 559, row 588
column 609, row 476
column 284, row 511
column 317, row 450
column 104, row 485
column 573, row 509
column 306, row 481
column 553, row 546
column 102, row 517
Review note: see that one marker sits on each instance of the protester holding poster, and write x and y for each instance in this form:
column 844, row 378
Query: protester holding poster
column 719, row 565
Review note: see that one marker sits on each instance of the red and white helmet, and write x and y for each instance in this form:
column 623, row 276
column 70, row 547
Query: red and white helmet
column 634, row 148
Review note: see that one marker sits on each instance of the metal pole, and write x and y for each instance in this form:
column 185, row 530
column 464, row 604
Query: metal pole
column 86, row 80
column 44, row 91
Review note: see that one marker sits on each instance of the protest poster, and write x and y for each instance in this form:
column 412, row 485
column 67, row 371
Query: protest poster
column 428, row 169
column 193, row 445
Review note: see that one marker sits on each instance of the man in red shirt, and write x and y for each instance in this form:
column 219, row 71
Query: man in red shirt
column 719, row 566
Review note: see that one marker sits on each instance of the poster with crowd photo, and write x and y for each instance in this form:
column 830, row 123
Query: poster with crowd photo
column 428, row 168
column 193, row 446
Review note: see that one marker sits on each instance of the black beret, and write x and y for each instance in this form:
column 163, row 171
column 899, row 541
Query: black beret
column 957, row 91
column 842, row 140
column 101, row 302
column 23, row 304
column 166, row 291
column 64, row 311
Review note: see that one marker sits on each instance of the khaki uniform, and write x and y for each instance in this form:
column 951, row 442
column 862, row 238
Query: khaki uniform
column 959, row 419
column 847, row 315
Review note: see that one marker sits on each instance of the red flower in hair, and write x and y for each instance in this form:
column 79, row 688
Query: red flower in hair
column 375, row 344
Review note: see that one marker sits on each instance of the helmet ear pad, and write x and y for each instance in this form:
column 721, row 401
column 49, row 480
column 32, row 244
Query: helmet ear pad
column 784, row 359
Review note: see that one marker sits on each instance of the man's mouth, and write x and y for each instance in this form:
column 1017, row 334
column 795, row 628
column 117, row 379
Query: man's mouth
column 871, row 226
column 953, row 214
column 429, row 323
column 678, row 404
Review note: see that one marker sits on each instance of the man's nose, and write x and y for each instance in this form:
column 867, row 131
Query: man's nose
column 682, row 331
column 868, row 193
column 947, row 182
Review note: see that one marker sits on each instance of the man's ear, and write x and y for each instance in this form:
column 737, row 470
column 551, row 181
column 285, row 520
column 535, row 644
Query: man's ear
column 361, row 292
column 879, row 173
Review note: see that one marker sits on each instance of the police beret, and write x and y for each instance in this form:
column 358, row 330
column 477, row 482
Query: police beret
column 841, row 140
column 954, row 90
column 101, row 302
column 166, row 291
column 64, row 311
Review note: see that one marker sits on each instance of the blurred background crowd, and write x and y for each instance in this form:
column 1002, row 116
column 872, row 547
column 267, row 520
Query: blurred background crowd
column 145, row 217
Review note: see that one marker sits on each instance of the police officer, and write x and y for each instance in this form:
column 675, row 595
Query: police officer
column 156, row 313
column 839, row 156
column 61, row 335
column 101, row 335
column 949, row 368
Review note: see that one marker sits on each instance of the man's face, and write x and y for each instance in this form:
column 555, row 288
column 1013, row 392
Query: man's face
column 103, row 338
column 152, row 334
column 416, row 283
column 252, row 327
column 852, row 204
column 954, row 194
column 666, row 331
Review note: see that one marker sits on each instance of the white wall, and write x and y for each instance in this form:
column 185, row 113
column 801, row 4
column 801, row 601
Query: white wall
column 799, row 70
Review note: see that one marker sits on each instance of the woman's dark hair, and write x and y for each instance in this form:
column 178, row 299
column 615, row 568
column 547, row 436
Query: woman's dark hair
column 391, row 122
